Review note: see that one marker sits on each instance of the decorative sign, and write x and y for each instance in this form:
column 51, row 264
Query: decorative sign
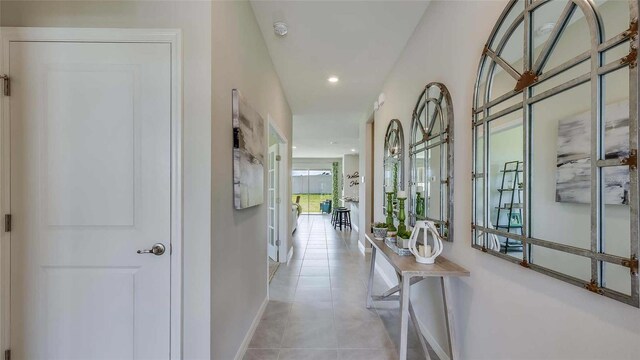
column 355, row 176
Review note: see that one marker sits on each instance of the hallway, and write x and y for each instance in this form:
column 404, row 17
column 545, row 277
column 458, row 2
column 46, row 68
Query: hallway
column 316, row 308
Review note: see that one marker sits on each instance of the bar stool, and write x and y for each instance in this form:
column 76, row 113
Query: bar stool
column 334, row 216
column 343, row 217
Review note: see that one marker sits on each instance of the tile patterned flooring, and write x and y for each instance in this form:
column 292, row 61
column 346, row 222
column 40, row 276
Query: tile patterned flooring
column 317, row 304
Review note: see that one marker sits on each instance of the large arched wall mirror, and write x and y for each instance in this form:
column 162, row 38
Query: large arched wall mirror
column 393, row 160
column 555, row 119
column 431, row 159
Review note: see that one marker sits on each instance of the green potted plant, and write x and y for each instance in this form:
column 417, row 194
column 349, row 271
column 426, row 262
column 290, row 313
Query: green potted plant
column 379, row 230
column 403, row 238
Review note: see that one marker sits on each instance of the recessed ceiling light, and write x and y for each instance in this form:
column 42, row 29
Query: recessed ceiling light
column 544, row 29
column 293, row 147
column 333, row 142
column 280, row 28
column 354, row 150
column 333, row 79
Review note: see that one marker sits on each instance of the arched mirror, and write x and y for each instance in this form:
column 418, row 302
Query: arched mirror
column 393, row 161
column 555, row 119
column 430, row 158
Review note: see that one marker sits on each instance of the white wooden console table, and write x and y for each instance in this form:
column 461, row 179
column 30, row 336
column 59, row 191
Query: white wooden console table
column 410, row 272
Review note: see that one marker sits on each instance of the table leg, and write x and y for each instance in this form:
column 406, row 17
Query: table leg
column 404, row 316
column 423, row 342
column 448, row 314
column 372, row 270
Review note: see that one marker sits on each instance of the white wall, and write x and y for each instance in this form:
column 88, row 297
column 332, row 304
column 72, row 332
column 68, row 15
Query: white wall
column 503, row 311
column 194, row 18
column 239, row 237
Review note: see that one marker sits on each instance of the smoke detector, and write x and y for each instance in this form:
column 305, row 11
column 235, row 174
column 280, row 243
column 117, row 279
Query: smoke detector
column 280, row 28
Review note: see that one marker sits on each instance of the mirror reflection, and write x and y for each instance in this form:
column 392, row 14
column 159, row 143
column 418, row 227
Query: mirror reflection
column 430, row 158
column 553, row 161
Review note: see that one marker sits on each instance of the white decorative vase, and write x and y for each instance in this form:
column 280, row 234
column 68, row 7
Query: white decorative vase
column 434, row 250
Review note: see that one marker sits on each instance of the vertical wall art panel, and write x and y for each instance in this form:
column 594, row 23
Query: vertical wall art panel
column 248, row 154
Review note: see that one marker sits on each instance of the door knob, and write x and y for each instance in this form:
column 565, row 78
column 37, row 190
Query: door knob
column 157, row 249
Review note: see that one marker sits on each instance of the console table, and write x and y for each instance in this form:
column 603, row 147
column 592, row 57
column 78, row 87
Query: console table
column 410, row 272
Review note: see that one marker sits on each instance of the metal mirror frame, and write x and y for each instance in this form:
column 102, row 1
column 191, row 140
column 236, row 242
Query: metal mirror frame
column 420, row 136
column 531, row 75
column 393, row 129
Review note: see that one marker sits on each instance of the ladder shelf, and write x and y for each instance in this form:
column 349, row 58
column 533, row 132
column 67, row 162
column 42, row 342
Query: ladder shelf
column 509, row 214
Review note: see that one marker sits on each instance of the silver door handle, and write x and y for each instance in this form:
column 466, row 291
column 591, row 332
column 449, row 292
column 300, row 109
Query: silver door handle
column 157, row 249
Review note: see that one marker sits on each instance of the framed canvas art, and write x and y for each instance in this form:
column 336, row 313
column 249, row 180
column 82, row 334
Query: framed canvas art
column 248, row 154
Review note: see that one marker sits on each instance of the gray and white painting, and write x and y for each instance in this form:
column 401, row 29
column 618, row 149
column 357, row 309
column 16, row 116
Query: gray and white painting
column 248, row 154
column 573, row 177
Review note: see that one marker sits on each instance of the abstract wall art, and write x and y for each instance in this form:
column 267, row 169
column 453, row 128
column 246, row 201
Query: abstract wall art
column 573, row 176
column 248, row 153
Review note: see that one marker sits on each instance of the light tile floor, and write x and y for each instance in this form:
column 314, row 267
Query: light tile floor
column 317, row 304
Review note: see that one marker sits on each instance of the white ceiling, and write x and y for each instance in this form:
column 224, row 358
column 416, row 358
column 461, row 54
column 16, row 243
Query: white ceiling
column 358, row 41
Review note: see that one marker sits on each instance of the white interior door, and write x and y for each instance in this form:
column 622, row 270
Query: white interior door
column 90, row 185
column 274, row 201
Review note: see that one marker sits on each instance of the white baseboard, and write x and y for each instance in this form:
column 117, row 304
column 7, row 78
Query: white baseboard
column 442, row 354
column 363, row 250
column 247, row 339
column 290, row 256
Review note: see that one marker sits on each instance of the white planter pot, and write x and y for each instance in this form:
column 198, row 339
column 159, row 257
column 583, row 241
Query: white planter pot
column 379, row 233
column 403, row 243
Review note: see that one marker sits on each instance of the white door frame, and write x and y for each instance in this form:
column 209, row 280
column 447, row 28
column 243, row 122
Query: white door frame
column 276, row 202
column 284, row 179
column 173, row 37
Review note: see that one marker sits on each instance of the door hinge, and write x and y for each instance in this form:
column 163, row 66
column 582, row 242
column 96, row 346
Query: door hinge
column 6, row 85
column 278, row 157
column 7, row 222
column 277, row 200
column 7, row 354
column 277, row 242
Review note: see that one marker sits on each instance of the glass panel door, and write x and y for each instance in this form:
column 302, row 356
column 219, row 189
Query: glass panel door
column 312, row 190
